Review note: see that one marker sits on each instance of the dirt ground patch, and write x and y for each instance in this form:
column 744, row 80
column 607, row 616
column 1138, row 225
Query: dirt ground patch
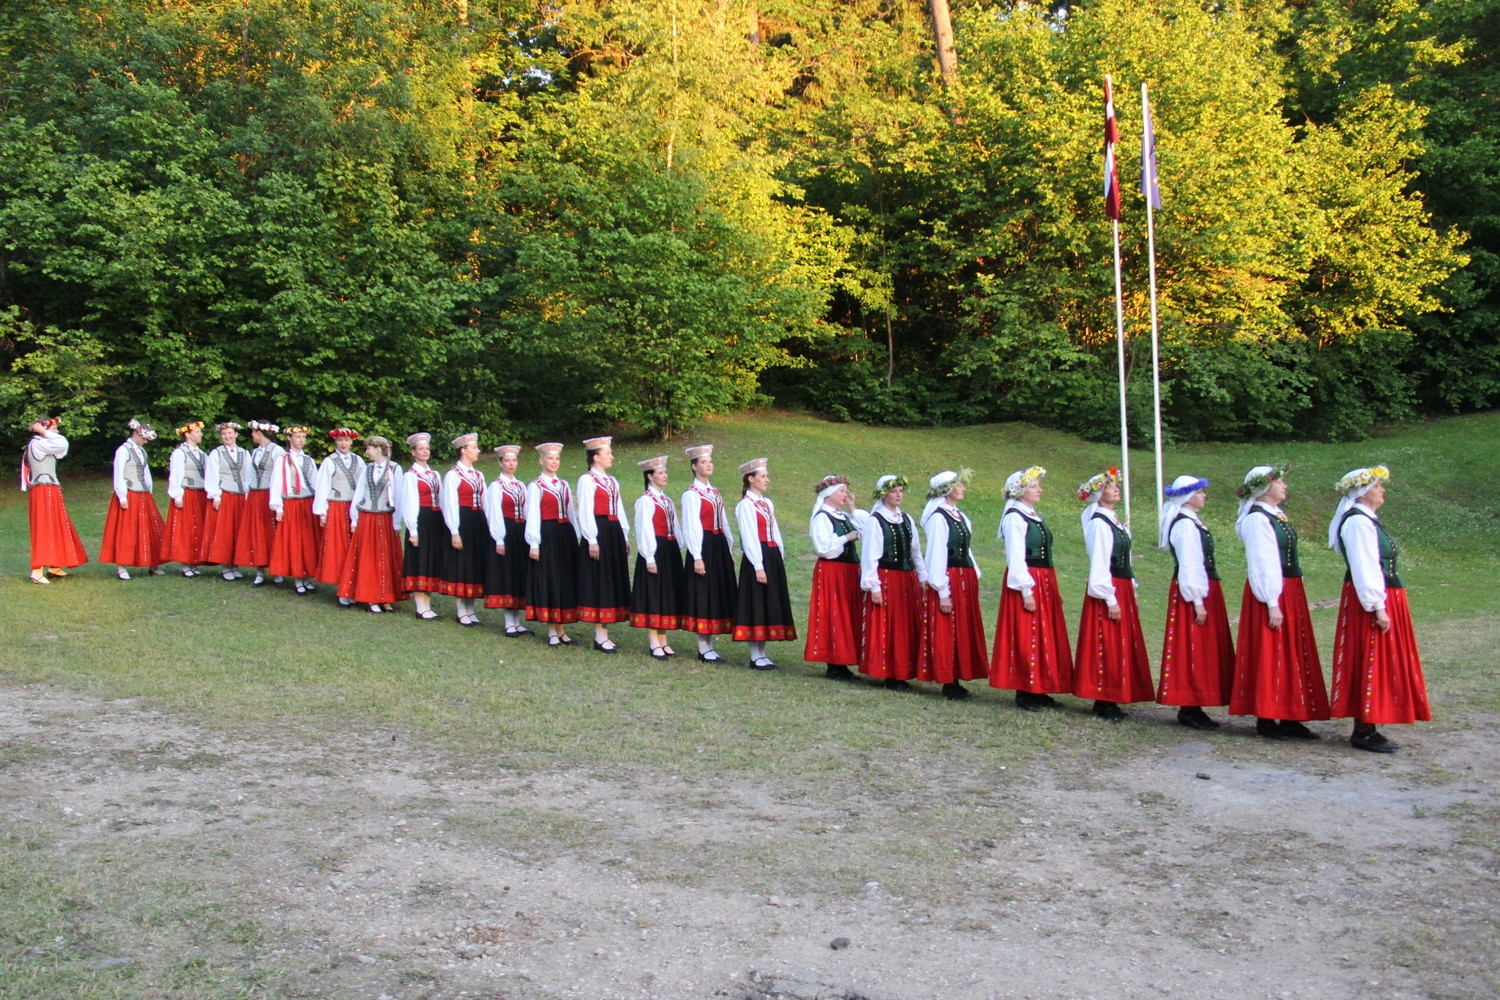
column 142, row 848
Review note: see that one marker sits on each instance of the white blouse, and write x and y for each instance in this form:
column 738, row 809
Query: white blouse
column 937, row 550
column 216, row 459
column 362, row 493
column 411, row 497
column 874, row 548
column 289, row 478
column 592, row 482
column 1187, row 545
column 323, row 490
column 123, row 454
column 1262, row 558
column 450, row 504
column 745, row 516
column 1099, row 542
column 646, row 506
column 50, row 443
column 177, row 469
column 559, row 489
column 692, row 521
column 827, row 543
column 1013, row 531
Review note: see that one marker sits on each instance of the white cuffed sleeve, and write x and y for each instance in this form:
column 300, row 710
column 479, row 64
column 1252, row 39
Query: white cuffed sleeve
column 122, row 459
column 51, row 443
column 1192, row 575
column 645, row 528
column 826, row 542
column 533, row 514
column 274, row 496
column 211, row 475
column 871, row 554
column 692, row 524
column 744, row 515
column 450, row 500
column 411, row 503
column 1099, row 539
column 587, row 525
column 937, row 553
column 176, row 471
column 494, row 511
column 1013, row 529
column 1361, row 542
column 1262, row 560
column 323, row 487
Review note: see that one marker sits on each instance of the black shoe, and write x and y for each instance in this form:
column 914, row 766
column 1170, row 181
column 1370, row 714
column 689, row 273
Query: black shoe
column 658, row 653
column 429, row 615
column 1027, row 702
column 836, row 672
column 1297, row 731
column 956, row 692
column 602, row 648
column 259, row 581
column 1109, row 711
column 762, row 663
column 892, row 684
column 1269, row 728
column 565, row 640
column 469, row 621
column 1044, row 700
column 1196, row 718
column 344, row 602
column 712, row 656
column 1373, row 742
column 519, row 630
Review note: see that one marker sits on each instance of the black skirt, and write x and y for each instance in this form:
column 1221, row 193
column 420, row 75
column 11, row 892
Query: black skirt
column 764, row 613
column 423, row 566
column 657, row 598
column 505, row 576
column 463, row 573
column 709, row 600
column 604, row 583
column 552, row 588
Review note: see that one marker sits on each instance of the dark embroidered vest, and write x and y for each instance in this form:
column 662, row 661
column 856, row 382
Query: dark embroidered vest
column 1390, row 552
column 1286, row 544
column 1207, row 538
column 842, row 527
column 1038, row 540
column 1119, row 559
column 897, row 538
column 958, row 539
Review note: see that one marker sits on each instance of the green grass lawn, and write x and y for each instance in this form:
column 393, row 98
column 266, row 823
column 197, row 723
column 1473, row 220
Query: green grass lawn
column 231, row 656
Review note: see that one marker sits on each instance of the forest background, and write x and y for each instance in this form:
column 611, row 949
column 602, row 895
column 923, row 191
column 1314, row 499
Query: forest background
column 529, row 218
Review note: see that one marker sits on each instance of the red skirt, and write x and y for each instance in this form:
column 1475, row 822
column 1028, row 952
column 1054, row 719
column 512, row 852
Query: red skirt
column 1111, row 664
column 1031, row 650
column 258, row 529
column 893, row 630
column 132, row 535
column 954, row 650
column 1197, row 661
column 298, row 540
column 834, row 614
column 1377, row 676
column 54, row 540
column 185, row 528
column 223, row 533
column 335, row 543
column 1277, row 675
column 372, row 564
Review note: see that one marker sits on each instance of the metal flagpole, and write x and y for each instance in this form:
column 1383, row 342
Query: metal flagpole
column 1149, row 189
column 1112, row 207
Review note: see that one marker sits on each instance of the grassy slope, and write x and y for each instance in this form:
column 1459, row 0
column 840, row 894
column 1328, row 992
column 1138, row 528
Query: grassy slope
column 232, row 656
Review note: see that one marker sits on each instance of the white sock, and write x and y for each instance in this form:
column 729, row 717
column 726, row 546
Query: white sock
column 705, row 644
column 757, row 650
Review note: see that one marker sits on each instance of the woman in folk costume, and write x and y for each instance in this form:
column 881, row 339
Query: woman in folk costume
column 423, row 562
column 333, row 494
column 1031, row 655
column 298, row 542
column 1278, row 677
column 656, row 599
column 764, row 610
column 133, row 528
column 259, row 525
column 372, row 568
column 603, row 546
column 1377, row 671
column 835, row 612
column 187, row 511
column 468, row 532
column 552, row 544
column 1197, row 655
column 226, row 479
column 892, row 575
column 1111, row 665
column 507, row 562
column 954, row 650
column 709, row 594
column 54, row 541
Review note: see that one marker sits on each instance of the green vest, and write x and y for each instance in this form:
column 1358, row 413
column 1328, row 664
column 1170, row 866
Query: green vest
column 897, row 538
column 1286, row 544
column 1119, row 559
column 958, row 539
column 1038, row 540
column 1389, row 552
column 1208, row 546
column 842, row 527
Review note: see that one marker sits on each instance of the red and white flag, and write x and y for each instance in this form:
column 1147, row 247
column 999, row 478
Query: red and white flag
column 1111, row 171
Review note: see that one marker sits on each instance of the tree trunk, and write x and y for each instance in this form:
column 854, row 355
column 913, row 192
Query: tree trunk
column 942, row 29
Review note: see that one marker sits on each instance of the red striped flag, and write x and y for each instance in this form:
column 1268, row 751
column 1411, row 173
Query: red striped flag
column 1111, row 171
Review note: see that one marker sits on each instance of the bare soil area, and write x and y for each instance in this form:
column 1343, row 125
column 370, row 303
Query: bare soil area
column 362, row 864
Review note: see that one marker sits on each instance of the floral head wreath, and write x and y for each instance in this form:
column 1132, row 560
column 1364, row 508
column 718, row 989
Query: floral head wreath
column 830, row 481
column 1258, row 484
column 961, row 479
column 1093, row 485
column 1031, row 477
column 1360, row 478
column 887, row 484
column 194, row 425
